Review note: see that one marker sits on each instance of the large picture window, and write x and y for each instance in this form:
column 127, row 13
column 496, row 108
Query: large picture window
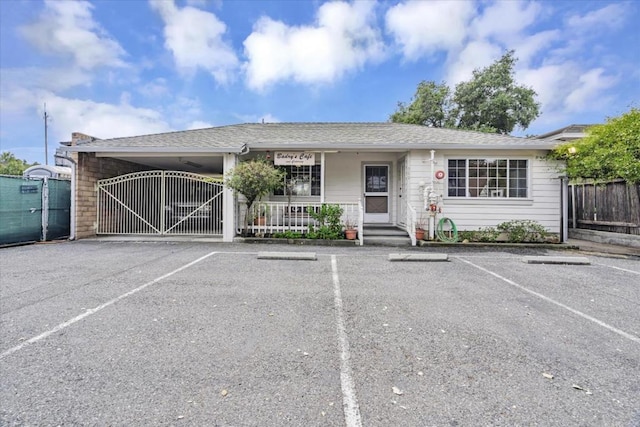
column 303, row 181
column 487, row 178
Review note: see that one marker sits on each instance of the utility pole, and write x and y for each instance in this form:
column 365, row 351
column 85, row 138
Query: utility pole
column 46, row 142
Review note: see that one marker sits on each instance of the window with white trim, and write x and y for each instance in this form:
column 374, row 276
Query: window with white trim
column 506, row 178
column 303, row 181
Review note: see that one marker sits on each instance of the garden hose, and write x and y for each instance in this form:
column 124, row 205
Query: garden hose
column 452, row 238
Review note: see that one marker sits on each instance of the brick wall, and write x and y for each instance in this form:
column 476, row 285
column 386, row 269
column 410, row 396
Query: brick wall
column 90, row 170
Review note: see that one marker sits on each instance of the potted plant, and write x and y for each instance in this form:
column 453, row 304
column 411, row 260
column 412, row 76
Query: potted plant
column 261, row 216
column 421, row 225
column 350, row 229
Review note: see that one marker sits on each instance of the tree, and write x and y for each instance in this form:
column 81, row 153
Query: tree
column 609, row 151
column 430, row 106
column 490, row 102
column 254, row 179
column 10, row 165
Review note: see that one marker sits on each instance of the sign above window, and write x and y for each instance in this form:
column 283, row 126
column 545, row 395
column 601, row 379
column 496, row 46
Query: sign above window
column 294, row 158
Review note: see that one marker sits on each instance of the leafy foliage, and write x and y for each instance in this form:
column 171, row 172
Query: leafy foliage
column 254, row 179
column 484, row 234
column 609, row 151
column 430, row 106
column 289, row 235
column 519, row 231
column 10, row 165
column 490, row 102
column 328, row 218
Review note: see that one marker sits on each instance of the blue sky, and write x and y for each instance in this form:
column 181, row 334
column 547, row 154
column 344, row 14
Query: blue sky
column 131, row 67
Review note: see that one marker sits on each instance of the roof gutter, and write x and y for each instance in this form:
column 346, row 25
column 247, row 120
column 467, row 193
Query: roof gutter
column 542, row 145
column 151, row 149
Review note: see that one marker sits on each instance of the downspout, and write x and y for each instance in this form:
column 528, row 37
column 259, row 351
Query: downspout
column 72, row 213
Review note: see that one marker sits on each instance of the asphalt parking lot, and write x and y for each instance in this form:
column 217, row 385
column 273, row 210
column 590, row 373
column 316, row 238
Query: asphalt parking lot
column 124, row 333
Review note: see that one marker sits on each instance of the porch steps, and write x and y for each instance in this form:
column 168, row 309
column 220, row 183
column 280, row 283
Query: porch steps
column 385, row 235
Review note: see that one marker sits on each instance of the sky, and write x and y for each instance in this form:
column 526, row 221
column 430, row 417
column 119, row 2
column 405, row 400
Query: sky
column 112, row 68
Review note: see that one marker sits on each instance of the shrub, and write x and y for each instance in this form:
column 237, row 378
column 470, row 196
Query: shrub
column 519, row 231
column 484, row 234
column 328, row 219
column 289, row 235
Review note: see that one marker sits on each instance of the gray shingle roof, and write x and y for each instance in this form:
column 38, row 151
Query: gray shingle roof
column 381, row 136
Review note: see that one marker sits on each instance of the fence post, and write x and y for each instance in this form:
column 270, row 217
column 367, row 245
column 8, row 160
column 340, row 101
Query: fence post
column 45, row 208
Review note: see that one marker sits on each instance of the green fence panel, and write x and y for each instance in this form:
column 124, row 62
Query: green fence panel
column 59, row 218
column 20, row 210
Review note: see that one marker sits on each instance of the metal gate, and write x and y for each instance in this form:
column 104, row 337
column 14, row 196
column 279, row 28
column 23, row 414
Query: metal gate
column 160, row 202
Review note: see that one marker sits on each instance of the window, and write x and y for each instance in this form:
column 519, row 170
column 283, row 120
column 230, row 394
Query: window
column 303, row 181
column 487, row 178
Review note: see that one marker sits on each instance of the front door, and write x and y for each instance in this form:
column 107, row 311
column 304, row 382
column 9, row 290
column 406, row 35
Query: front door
column 376, row 193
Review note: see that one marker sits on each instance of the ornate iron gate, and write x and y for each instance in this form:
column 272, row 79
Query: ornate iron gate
column 160, row 202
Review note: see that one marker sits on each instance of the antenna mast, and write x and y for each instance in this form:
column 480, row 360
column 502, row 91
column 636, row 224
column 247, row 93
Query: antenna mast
column 46, row 148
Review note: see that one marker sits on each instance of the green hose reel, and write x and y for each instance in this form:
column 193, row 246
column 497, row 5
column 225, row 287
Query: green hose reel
column 450, row 236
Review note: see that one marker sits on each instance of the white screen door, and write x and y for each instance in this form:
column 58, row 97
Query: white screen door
column 376, row 193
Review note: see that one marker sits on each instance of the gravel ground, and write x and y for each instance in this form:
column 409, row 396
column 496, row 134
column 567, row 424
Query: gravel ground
column 125, row 333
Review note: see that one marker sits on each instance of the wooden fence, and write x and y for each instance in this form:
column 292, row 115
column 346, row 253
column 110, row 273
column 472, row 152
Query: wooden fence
column 612, row 206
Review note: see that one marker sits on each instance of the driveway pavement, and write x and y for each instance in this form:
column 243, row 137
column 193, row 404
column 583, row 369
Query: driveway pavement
column 125, row 333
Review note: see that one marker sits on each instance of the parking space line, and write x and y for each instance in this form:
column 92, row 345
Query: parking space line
column 559, row 304
column 619, row 268
column 91, row 311
column 349, row 399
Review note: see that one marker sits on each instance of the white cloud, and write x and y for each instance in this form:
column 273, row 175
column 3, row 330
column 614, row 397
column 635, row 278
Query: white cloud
column 566, row 88
column 156, row 88
column 590, row 91
column 503, row 20
column 199, row 124
column 195, row 37
column 343, row 39
column 424, row 27
column 102, row 120
column 67, row 28
column 611, row 16
column 476, row 54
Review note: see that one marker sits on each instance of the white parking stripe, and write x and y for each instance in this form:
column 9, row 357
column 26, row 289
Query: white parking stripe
column 559, row 304
column 349, row 400
column 619, row 268
column 91, row 311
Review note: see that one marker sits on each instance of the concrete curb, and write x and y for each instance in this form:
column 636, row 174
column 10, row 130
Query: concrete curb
column 556, row 260
column 293, row 256
column 419, row 257
column 300, row 242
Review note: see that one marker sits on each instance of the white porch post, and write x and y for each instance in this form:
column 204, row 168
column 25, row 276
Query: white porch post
column 322, row 158
column 229, row 205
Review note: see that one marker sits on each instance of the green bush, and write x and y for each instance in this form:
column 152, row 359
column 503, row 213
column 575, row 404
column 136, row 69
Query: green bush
column 519, row 231
column 289, row 235
column 484, row 234
column 329, row 225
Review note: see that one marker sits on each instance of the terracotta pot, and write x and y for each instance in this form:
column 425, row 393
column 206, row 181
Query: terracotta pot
column 419, row 234
column 261, row 220
column 350, row 234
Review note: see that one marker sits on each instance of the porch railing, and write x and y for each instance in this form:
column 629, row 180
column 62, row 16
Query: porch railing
column 267, row 218
column 410, row 223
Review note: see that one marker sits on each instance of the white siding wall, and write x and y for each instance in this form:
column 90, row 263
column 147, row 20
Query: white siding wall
column 343, row 176
column 542, row 205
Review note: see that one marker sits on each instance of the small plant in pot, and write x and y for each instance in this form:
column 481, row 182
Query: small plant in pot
column 421, row 226
column 350, row 229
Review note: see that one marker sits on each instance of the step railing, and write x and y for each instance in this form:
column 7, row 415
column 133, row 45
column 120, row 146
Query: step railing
column 411, row 223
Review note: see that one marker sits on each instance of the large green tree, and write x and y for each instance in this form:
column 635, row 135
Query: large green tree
column 491, row 101
column 609, row 151
column 11, row 165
